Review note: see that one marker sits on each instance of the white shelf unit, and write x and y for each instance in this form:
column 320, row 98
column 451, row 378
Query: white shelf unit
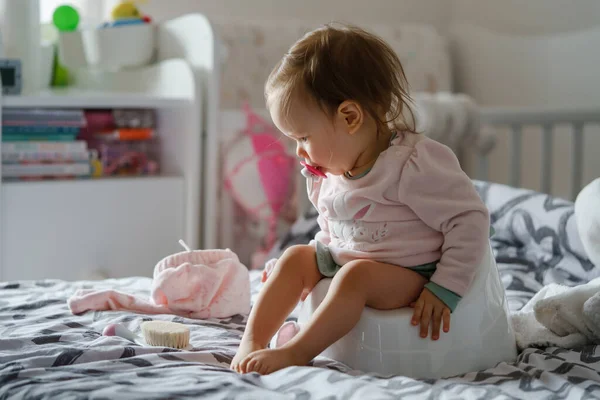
column 117, row 227
column 74, row 98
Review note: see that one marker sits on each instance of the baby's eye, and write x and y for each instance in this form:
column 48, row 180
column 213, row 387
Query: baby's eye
column 303, row 139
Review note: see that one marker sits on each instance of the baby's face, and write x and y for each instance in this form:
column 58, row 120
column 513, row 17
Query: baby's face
column 321, row 140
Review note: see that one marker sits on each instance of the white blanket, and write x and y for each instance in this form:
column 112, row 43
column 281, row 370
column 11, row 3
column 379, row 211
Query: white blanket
column 454, row 120
column 587, row 212
column 561, row 316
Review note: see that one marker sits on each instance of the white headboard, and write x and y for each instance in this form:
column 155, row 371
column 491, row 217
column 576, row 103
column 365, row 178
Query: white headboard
column 252, row 50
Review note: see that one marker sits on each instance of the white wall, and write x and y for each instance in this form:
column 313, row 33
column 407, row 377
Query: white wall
column 542, row 54
column 529, row 17
column 516, row 16
column 356, row 11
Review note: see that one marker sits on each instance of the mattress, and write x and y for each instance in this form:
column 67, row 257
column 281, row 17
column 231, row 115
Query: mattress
column 46, row 352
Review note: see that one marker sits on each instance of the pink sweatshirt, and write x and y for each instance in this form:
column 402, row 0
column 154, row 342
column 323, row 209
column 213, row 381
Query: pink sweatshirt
column 415, row 206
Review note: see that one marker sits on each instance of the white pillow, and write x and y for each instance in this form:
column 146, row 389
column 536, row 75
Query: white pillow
column 587, row 214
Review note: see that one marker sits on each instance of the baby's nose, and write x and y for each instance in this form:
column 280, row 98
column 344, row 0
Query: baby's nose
column 300, row 152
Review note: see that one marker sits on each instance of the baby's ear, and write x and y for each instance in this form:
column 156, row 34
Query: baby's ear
column 352, row 115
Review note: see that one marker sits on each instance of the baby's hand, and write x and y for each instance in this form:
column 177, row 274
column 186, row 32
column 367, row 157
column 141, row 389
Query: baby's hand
column 428, row 305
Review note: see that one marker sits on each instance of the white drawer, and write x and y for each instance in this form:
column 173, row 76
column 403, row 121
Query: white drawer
column 88, row 228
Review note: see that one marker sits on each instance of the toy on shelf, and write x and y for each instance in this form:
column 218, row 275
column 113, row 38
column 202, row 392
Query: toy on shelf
column 127, row 13
column 101, row 48
column 65, row 18
column 125, row 158
column 60, row 74
column 125, row 10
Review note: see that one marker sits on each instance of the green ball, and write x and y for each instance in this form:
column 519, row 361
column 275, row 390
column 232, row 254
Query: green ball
column 65, row 18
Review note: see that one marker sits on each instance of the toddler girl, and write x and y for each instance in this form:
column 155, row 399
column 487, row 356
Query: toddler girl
column 401, row 223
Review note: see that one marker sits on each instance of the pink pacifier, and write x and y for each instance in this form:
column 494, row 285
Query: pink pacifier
column 313, row 170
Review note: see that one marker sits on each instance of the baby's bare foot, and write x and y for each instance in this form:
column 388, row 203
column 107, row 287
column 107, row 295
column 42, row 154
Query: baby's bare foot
column 246, row 347
column 266, row 361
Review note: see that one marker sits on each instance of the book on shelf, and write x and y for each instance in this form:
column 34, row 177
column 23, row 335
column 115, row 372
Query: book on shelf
column 44, row 146
column 30, row 123
column 45, row 152
column 67, row 143
column 126, row 134
column 43, row 116
column 45, row 169
column 27, row 124
column 29, row 137
column 25, row 156
column 39, row 130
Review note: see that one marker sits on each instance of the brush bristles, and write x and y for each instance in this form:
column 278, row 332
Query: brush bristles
column 167, row 334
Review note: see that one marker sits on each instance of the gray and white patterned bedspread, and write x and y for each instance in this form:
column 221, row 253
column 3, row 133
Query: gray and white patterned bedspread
column 45, row 352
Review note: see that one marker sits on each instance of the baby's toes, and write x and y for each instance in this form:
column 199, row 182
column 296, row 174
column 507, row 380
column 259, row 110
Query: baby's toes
column 237, row 368
column 263, row 369
column 243, row 365
column 253, row 365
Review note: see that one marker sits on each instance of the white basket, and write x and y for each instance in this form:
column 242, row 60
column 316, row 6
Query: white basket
column 108, row 48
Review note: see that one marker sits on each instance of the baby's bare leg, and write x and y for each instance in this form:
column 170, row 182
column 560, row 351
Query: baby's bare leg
column 295, row 272
column 358, row 284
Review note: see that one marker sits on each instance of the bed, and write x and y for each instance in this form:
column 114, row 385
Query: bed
column 45, row 352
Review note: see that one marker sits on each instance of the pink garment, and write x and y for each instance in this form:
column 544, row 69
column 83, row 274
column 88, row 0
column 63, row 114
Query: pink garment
column 199, row 284
column 415, row 206
column 258, row 173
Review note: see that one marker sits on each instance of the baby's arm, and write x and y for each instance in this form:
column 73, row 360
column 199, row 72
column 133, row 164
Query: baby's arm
column 437, row 190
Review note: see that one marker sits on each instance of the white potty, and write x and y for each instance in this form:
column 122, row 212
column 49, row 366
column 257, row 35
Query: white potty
column 385, row 342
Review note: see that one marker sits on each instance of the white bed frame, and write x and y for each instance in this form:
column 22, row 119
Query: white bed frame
column 515, row 119
column 548, row 120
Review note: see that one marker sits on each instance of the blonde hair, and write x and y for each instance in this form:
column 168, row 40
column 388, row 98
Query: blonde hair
column 334, row 64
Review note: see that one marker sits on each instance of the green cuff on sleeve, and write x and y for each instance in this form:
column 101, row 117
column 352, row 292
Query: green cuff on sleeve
column 449, row 298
